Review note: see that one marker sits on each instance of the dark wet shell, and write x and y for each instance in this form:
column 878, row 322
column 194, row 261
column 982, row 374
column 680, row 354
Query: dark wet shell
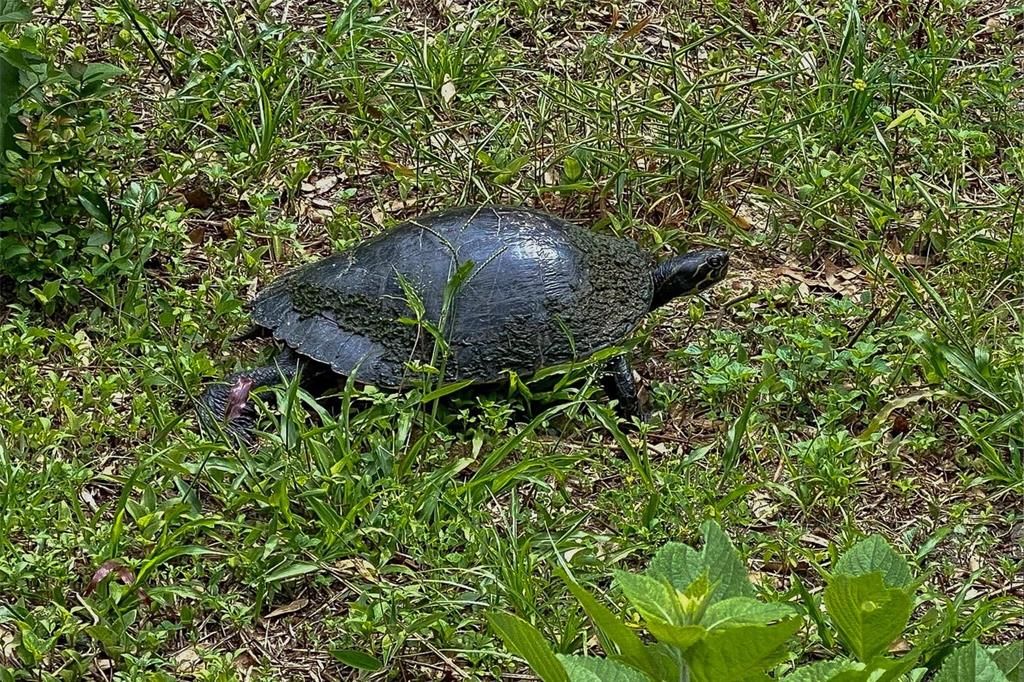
column 540, row 291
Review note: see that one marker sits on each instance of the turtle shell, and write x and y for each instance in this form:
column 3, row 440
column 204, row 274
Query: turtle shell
column 533, row 291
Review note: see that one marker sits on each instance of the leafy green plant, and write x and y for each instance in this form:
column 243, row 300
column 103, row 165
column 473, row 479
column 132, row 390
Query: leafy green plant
column 708, row 625
column 56, row 227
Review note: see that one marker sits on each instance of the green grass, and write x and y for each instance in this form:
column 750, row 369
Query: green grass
column 859, row 372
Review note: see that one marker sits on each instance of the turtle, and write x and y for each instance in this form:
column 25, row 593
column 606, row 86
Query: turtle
column 509, row 289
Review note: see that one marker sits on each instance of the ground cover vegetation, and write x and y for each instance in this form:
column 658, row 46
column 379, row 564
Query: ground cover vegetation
column 831, row 481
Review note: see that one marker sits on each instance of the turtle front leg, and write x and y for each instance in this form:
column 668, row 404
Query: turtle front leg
column 619, row 385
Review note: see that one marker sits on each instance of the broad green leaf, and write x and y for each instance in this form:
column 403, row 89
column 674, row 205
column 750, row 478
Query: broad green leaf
column 868, row 615
column 865, row 675
column 356, row 659
column 740, row 653
column 824, row 671
column 904, row 116
column 96, row 206
column 526, row 641
column 1010, row 660
column 680, row 636
column 445, row 389
column 291, row 571
column 695, row 599
column 589, row 669
column 14, row 12
column 812, row 603
column 667, row 661
column 880, row 669
column 101, row 71
column 970, row 663
column 874, row 554
column 15, row 250
column 618, row 638
column 653, row 599
column 9, row 79
column 744, row 611
column 107, row 638
column 573, row 169
column 677, row 563
column 723, row 565
column 895, row 669
column 168, row 555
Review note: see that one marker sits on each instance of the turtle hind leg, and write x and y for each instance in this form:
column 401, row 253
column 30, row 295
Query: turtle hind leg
column 619, row 385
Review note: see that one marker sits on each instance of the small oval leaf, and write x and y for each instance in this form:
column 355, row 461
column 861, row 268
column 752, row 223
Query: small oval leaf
column 356, row 659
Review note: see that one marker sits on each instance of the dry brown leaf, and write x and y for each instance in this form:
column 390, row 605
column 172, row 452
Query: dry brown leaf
column 613, row 20
column 451, row 6
column 100, row 668
column 244, row 663
column 750, row 215
column 843, row 281
column 198, row 198
column 448, row 90
column 973, row 593
column 741, row 221
column 291, row 607
column 364, row 568
column 400, row 169
column 763, row 579
column 119, row 570
column 762, row 506
column 637, row 27
column 88, row 499
column 324, row 184
column 7, row 645
column 188, row 660
column 808, row 64
column 400, row 204
column 916, row 261
column 812, row 539
column 900, row 646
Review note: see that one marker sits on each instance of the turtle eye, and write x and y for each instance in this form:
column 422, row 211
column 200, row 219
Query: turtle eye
column 715, row 261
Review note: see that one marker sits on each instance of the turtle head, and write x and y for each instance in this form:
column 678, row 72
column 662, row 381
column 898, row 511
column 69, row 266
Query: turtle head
column 688, row 274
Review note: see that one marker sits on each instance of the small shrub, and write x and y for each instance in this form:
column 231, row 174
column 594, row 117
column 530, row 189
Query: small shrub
column 708, row 626
column 55, row 226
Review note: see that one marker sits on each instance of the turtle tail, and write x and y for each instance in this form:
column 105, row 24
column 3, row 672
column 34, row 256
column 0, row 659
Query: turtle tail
column 225, row 405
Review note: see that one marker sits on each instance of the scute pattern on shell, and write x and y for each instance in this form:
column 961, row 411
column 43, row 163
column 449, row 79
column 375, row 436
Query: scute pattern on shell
column 534, row 278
